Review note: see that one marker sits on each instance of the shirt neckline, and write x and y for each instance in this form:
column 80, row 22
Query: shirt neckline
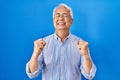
column 58, row 38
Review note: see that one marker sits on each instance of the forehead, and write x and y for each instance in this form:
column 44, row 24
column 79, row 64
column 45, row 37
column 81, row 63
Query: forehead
column 62, row 9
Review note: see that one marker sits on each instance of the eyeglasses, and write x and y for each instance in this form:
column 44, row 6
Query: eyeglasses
column 57, row 15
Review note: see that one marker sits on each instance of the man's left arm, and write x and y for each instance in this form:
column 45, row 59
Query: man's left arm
column 88, row 69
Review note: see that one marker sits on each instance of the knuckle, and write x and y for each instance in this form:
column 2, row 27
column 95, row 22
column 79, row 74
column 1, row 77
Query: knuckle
column 35, row 42
column 86, row 43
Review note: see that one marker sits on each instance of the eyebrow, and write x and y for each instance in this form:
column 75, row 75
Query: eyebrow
column 62, row 13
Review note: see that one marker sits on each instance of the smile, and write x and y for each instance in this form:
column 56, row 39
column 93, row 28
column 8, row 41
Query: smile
column 61, row 23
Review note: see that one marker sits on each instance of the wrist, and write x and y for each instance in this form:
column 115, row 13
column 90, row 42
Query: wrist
column 85, row 56
column 37, row 52
column 35, row 55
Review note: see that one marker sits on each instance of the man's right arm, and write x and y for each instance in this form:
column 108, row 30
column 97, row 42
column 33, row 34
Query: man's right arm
column 32, row 65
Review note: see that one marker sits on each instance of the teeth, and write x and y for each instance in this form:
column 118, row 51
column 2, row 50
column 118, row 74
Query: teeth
column 61, row 23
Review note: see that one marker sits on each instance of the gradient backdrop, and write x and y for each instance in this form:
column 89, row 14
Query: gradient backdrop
column 23, row 21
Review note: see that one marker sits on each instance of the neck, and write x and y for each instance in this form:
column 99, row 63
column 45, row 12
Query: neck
column 62, row 34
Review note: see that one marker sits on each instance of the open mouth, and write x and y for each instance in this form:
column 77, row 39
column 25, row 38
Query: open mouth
column 61, row 23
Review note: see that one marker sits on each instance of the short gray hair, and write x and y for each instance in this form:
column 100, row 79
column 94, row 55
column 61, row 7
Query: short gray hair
column 66, row 6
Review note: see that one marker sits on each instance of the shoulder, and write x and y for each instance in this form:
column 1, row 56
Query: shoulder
column 48, row 38
column 75, row 38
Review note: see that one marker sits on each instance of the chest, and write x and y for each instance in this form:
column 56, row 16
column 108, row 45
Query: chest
column 67, row 54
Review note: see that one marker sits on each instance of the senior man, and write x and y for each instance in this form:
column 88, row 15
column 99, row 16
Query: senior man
column 62, row 55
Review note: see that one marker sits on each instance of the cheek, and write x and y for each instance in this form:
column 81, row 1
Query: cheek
column 69, row 22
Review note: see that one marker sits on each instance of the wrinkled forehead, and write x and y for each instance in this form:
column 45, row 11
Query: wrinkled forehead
column 62, row 9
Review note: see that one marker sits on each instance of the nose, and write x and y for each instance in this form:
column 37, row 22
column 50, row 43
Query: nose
column 61, row 17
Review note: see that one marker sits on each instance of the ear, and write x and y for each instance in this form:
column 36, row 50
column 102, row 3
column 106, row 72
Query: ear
column 71, row 21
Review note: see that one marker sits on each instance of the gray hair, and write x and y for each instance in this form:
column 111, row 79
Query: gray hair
column 66, row 6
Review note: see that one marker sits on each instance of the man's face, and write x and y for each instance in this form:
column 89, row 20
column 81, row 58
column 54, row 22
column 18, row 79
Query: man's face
column 62, row 19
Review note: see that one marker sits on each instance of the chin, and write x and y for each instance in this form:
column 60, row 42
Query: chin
column 61, row 27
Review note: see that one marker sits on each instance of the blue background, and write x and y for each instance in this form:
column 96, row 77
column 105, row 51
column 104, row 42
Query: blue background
column 23, row 21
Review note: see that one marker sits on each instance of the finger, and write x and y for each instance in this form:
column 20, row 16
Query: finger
column 44, row 42
column 81, row 42
column 37, row 41
column 41, row 46
column 40, row 39
column 84, row 42
column 78, row 43
column 79, row 46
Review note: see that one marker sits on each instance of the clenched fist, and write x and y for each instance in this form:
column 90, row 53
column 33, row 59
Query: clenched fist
column 83, row 47
column 38, row 46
